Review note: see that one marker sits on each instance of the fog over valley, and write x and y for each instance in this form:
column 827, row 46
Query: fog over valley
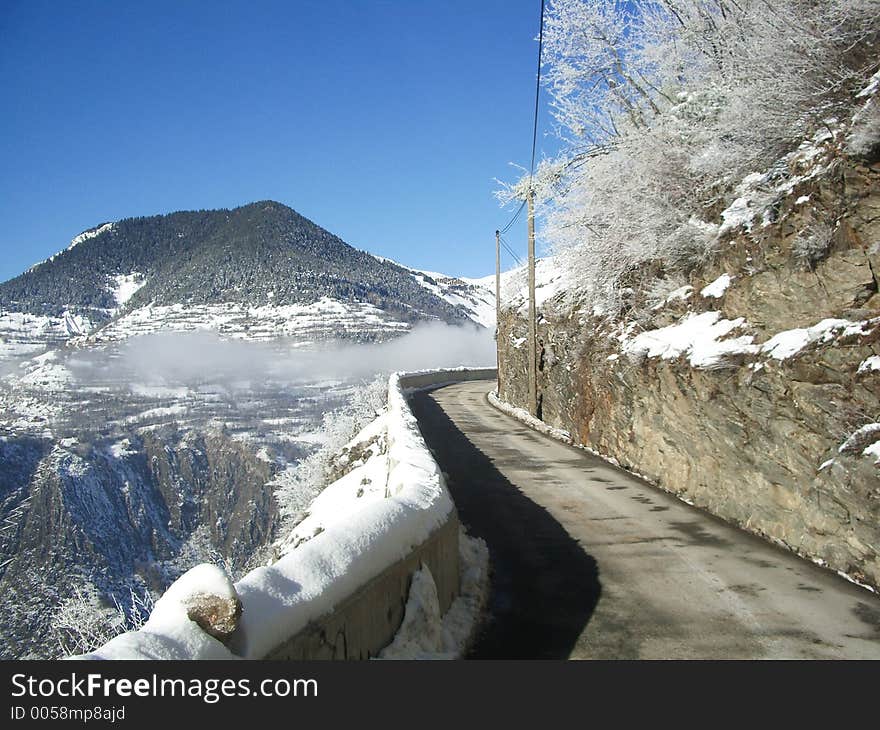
column 198, row 358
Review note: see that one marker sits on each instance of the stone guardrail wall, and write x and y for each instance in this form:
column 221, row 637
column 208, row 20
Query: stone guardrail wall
column 436, row 378
column 342, row 594
column 366, row 622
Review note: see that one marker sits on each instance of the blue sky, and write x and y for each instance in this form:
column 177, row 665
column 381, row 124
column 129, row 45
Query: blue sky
column 383, row 121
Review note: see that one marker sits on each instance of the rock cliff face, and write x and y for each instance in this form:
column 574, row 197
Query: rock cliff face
column 80, row 513
column 757, row 398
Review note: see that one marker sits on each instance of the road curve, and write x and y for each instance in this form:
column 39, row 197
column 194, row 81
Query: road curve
column 590, row 562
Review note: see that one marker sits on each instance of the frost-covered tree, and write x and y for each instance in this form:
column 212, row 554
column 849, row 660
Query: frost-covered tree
column 666, row 105
column 297, row 487
column 199, row 548
column 84, row 620
column 864, row 137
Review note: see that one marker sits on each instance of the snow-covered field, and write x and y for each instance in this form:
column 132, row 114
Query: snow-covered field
column 24, row 334
column 322, row 320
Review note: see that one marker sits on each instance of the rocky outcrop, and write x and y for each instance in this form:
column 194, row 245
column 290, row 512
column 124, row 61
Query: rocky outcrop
column 208, row 478
column 775, row 438
column 84, row 513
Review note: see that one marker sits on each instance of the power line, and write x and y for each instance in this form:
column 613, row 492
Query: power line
column 537, row 96
column 522, row 205
column 509, row 249
column 515, row 218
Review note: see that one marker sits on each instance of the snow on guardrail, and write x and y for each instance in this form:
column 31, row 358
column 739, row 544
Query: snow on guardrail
column 279, row 600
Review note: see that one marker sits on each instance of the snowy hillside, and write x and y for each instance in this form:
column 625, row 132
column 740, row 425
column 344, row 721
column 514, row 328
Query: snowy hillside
column 476, row 297
column 550, row 283
column 24, row 334
column 255, row 273
column 258, row 264
column 323, row 320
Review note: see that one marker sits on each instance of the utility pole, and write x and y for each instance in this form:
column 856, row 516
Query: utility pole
column 533, row 328
column 498, row 307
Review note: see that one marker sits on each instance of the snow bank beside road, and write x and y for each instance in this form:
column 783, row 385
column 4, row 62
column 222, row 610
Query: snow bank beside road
column 425, row 633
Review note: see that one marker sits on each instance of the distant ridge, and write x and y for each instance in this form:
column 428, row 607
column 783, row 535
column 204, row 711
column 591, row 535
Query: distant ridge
column 257, row 254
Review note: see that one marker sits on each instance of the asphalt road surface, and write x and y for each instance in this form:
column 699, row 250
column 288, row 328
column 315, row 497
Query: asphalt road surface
column 590, row 562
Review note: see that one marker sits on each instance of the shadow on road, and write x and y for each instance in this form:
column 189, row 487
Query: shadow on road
column 544, row 586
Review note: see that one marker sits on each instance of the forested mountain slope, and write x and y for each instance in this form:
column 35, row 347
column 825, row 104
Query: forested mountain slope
column 258, row 254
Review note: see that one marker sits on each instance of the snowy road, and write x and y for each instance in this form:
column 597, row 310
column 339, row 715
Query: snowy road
column 591, row 562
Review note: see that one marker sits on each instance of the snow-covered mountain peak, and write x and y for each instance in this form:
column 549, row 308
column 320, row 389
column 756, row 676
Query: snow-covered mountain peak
column 86, row 235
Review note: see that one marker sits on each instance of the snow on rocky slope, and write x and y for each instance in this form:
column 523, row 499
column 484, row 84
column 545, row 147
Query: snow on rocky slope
column 475, row 296
column 138, row 449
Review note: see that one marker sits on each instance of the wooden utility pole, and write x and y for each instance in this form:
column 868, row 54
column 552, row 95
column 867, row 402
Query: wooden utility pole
column 533, row 328
column 498, row 307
